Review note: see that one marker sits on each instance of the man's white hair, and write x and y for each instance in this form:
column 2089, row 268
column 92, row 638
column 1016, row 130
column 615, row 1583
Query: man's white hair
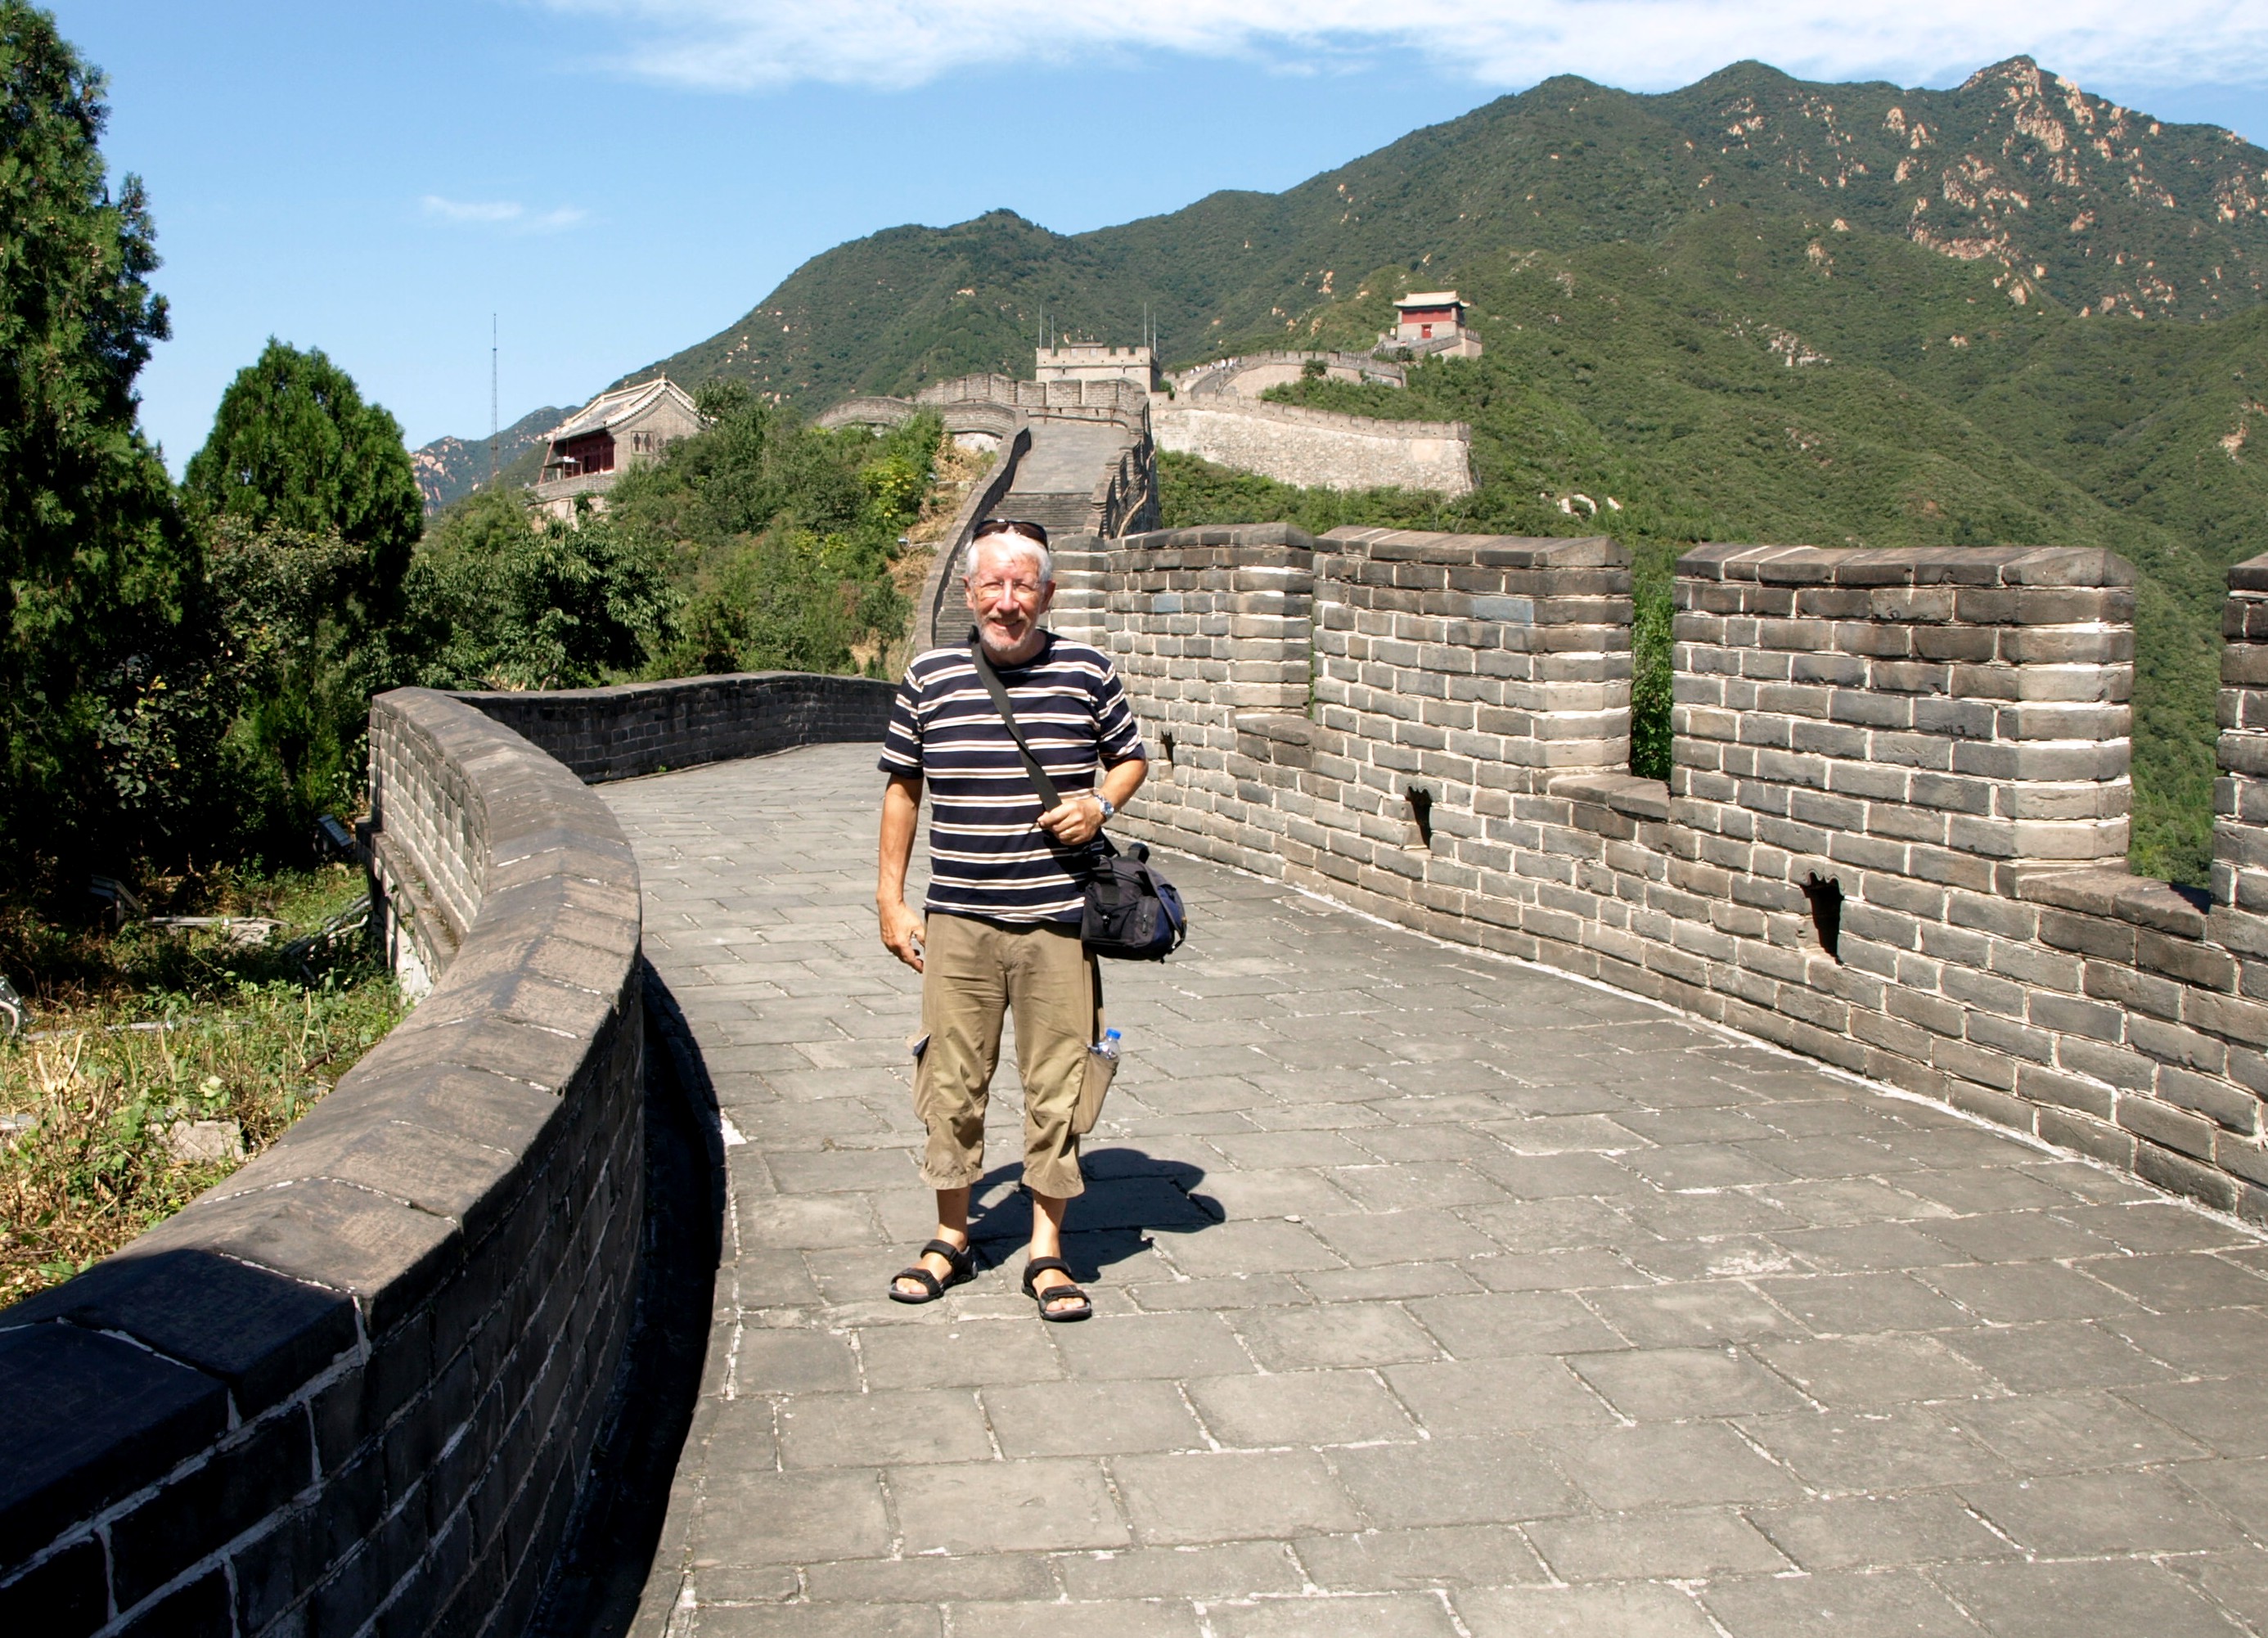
column 1008, row 543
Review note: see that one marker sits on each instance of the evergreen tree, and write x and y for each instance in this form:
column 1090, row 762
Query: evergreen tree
column 101, row 683
column 309, row 513
column 294, row 446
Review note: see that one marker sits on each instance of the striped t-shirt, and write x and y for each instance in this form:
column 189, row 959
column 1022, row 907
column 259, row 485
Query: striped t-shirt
column 988, row 855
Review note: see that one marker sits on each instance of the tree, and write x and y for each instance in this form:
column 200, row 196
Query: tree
column 100, row 587
column 309, row 514
column 293, row 446
column 299, row 682
column 498, row 601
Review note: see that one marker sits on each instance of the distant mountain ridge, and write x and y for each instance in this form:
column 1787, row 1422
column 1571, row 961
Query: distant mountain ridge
column 2071, row 200
column 1755, row 309
column 449, row 469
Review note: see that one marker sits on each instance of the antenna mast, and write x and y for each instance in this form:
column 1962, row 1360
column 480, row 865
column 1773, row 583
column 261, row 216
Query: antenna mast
column 492, row 400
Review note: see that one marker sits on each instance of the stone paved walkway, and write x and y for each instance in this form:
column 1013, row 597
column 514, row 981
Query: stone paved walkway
column 1437, row 1295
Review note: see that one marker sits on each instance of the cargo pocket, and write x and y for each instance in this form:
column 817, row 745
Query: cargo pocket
column 1093, row 1087
column 918, row 1045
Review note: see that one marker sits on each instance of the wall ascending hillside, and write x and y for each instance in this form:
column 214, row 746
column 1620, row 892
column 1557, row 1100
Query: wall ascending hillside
column 1316, row 448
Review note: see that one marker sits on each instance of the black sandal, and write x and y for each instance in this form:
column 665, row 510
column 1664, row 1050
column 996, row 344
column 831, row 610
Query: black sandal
column 962, row 1258
column 1055, row 1294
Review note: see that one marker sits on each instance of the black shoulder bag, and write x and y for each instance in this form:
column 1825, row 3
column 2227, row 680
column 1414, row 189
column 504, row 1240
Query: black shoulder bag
column 1132, row 912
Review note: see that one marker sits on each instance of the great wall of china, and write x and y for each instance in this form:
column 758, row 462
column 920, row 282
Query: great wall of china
column 1079, row 455
column 1892, row 841
column 1895, row 836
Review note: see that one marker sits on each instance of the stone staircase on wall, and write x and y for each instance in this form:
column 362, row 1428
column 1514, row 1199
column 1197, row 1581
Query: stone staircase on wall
column 1075, row 458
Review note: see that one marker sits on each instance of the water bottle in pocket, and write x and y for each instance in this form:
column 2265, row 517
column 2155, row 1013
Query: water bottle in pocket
column 1101, row 1064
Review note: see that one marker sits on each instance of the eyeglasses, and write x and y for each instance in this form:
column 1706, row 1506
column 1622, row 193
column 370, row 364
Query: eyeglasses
column 1023, row 591
column 1011, row 526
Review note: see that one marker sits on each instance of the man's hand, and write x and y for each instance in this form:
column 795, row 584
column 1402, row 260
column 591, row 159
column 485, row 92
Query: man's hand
column 1074, row 821
column 902, row 931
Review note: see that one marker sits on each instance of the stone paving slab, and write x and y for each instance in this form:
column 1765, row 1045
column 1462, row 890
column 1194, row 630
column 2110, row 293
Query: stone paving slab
column 1435, row 1295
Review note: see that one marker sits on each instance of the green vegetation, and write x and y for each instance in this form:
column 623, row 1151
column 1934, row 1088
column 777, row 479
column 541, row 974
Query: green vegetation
column 1564, row 166
column 781, row 537
column 101, row 589
column 133, row 1037
column 1192, row 492
column 185, row 674
column 302, row 498
column 759, row 543
column 499, row 599
column 294, row 446
column 1753, row 309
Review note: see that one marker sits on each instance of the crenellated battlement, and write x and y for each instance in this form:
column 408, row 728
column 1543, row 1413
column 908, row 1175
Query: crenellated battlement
column 1894, row 838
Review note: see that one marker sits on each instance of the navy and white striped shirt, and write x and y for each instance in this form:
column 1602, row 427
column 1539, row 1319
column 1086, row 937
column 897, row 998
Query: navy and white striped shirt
column 988, row 855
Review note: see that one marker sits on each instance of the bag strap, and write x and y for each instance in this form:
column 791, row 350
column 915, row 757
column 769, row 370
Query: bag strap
column 1044, row 785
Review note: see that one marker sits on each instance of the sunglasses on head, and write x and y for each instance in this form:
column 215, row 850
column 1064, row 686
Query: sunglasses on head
column 1031, row 532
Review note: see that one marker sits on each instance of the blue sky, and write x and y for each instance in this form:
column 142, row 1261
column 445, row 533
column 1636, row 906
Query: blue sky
column 617, row 178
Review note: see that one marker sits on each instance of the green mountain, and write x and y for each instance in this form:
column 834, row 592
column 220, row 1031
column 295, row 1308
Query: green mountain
column 2063, row 196
column 1749, row 376
column 449, row 469
column 1755, row 308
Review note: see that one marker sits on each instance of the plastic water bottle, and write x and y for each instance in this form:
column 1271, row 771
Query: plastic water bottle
column 1107, row 1047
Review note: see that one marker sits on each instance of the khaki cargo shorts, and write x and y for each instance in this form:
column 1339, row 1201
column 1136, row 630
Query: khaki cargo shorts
column 973, row 974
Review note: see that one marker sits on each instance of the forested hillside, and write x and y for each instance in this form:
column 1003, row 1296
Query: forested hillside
column 2062, row 197
column 1893, row 399
column 1753, row 309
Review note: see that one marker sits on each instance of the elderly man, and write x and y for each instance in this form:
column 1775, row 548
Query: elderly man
column 1007, row 887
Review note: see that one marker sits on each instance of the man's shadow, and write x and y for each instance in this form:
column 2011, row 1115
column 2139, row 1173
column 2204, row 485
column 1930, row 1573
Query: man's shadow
column 1130, row 1196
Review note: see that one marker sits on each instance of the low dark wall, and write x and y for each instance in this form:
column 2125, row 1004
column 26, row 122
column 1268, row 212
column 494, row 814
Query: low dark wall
column 357, row 1386
column 644, row 727
column 361, row 1378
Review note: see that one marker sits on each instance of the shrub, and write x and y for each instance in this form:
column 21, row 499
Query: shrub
column 498, row 600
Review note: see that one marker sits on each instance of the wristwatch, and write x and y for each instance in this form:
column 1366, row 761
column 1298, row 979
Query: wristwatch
column 1109, row 808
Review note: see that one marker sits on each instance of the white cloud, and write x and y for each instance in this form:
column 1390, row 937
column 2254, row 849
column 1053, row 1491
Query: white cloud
column 1640, row 44
column 503, row 213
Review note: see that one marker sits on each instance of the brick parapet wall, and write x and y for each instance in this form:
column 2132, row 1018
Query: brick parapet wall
column 1483, row 660
column 2239, row 865
column 1953, row 716
column 1920, row 756
column 970, row 414
column 1126, row 402
column 358, row 1381
column 355, row 1386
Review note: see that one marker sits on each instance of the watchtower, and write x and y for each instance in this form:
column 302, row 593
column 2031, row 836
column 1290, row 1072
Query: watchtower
column 1432, row 321
column 1092, row 361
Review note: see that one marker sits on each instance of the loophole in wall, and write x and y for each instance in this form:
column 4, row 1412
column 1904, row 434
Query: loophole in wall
column 1826, row 896
column 1421, row 813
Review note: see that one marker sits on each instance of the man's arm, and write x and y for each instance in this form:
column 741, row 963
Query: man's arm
column 1077, row 818
column 902, row 929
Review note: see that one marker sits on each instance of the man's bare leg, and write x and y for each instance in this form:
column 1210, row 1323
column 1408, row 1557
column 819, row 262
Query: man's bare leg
column 1046, row 1239
column 953, row 1228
